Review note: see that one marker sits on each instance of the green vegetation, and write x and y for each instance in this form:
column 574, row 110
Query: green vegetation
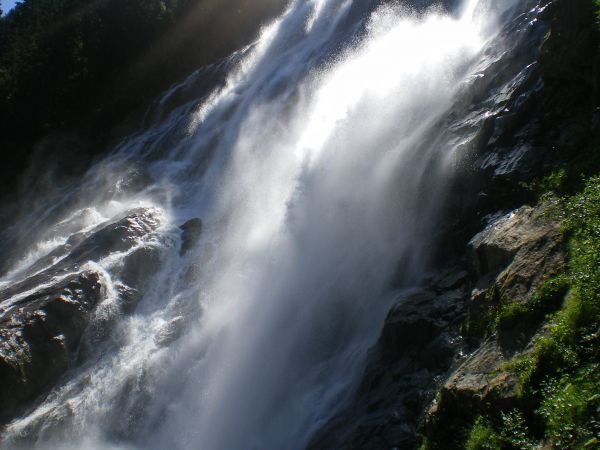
column 494, row 317
column 483, row 436
column 60, row 59
column 560, row 377
column 570, row 409
column 557, row 400
column 548, row 298
column 513, row 434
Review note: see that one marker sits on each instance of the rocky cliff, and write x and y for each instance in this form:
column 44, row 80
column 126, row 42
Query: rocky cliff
column 446, row 355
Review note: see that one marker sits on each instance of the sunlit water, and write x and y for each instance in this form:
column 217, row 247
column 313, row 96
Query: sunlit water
column 309, row 170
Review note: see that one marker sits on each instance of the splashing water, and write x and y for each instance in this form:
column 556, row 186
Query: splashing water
column 317, row 173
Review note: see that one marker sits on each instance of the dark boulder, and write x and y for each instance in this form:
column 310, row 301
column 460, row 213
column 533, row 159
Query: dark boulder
column 412, row 323
column 116, row 235
column 191, row 233
column 45, row 324
column 137, row 270
column 493, row 249
column 40, row 335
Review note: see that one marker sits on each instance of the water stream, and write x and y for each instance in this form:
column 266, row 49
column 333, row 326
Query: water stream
column 318, row 167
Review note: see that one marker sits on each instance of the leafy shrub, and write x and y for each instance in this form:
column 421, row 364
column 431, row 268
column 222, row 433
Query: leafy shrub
column 483, row 436
column 571, row 409
column 512, row 434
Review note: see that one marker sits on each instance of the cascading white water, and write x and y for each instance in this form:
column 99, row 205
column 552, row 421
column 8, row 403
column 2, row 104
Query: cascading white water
column 309, row 172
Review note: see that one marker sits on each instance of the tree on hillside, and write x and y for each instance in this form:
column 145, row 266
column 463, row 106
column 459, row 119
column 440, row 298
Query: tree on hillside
column 92, row 63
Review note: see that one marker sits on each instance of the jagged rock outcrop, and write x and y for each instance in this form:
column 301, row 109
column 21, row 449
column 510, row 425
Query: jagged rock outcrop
column 477, row 385
column 191, row 231
column 508, row 249
column 513, row 256
column 422, row 340
column 39, row 337
column 117, row 235
column 510, row 259
column 44, row 317
column 419, row 341
column 511, row 237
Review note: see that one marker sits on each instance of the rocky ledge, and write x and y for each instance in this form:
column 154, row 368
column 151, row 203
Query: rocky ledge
column 426, row 339
column 39, row 337
column 509, row 262
column 45, row 315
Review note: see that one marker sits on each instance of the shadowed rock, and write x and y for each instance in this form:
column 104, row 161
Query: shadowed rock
column 117, row 235
column 191, row 233
column 418, row 343
column 42, row 320
column 518, row 237
column 39, row 336
column 511, row 258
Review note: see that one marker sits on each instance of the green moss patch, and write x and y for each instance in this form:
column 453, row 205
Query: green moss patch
column 560, row 376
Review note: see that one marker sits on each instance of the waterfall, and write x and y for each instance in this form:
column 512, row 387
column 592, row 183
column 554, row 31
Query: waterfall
column 318, row 164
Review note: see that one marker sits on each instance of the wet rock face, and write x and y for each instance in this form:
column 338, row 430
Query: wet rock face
column 509, row 260
column 45, row 317
column 517, row 111
column 512, row 257
column 39, row 336
column 191, row 231
column 418, row 343
column 523, row 112
column 138, row 268
column 521, row 237
column 117, row 235
column 497, row 130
